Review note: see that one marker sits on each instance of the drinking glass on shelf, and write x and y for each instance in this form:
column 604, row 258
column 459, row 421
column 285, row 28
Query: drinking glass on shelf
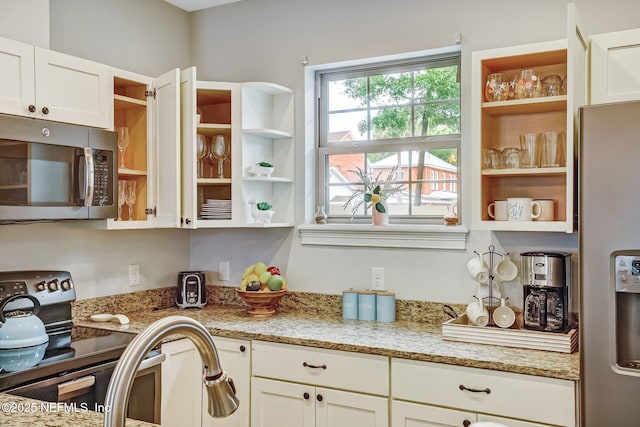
column 122, row 196
column 496, row 88
column 123, row 142
column 529, row 85
column 201, row 148
column 221, row 153
column 131, row 197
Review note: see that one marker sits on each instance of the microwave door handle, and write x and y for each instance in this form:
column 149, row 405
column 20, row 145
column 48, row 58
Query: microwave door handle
column 89, row 176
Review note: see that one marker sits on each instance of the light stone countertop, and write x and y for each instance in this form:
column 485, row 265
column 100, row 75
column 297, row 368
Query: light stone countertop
column 403, row 339
column 19, row 411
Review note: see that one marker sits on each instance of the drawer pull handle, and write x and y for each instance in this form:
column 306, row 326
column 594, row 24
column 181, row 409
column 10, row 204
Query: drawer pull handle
column 306, row 365
column 474, row 390
column 306, row 396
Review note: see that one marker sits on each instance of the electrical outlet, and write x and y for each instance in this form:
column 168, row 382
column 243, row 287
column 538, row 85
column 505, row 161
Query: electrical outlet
column 377, row 278
column 134, row 274
column 223, row 271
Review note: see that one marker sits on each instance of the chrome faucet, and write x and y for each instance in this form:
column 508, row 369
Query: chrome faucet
column 220, row 388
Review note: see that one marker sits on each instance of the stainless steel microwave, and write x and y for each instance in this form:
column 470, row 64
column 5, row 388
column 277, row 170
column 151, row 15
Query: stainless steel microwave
column 56, row 171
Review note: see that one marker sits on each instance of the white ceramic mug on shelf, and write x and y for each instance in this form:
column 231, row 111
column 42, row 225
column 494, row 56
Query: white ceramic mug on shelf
column 498, row 210
column 522, row 209
column 547, row 210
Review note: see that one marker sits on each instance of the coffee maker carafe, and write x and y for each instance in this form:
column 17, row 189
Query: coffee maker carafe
column 546, row 277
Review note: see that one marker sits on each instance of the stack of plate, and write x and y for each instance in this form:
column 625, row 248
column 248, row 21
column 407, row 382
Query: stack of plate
column 216, row 209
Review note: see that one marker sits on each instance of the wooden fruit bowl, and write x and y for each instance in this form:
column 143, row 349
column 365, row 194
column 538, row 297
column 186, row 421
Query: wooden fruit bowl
column 263, row 304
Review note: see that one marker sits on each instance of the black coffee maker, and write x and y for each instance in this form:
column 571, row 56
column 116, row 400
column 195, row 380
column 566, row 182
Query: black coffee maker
column 546, row 277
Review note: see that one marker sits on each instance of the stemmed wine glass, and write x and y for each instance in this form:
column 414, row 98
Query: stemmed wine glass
column 122, row 196
column 123, row 142
column 221, row 153
column 131, row 197
column 201, row 148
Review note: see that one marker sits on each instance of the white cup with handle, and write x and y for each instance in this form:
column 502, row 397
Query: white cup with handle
column 547, row 210
column 477, row 313
column 478, row 269
column 522, row 209
column 498, row 210
column 506, row 270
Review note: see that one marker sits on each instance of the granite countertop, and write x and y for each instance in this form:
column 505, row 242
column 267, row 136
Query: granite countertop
column 16, row 410
column 403, row 339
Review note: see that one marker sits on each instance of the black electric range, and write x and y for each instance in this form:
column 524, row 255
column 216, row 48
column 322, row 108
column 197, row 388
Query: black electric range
column 70, row 347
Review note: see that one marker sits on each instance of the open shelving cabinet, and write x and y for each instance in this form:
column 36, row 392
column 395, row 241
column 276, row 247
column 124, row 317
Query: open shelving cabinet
column 498, row 125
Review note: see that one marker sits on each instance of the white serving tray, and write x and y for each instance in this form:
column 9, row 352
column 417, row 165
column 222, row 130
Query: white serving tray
column 460, row 330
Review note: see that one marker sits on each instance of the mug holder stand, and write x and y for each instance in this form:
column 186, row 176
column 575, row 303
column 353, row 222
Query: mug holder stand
column 490, row 301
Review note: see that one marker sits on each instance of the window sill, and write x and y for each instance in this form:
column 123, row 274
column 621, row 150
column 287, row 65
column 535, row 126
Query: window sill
column 385, row 236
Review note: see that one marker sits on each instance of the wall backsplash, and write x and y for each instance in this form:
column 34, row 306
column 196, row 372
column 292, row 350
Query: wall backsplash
column 417, row 311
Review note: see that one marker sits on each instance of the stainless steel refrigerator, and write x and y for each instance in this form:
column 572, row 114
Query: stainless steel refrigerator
column 609, row 227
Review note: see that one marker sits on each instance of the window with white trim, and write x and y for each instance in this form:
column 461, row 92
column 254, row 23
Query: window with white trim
column 396, row 124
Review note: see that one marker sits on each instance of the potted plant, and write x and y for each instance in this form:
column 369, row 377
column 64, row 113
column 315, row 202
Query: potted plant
column 262, row 169
column 374, row 194
column 261, row 212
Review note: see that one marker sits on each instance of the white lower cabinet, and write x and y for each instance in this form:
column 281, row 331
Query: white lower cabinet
column 447, row 395
column 183, row 397
column 296, row 386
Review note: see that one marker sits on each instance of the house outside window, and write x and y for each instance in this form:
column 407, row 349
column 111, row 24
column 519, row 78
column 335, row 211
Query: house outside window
column 395, row 120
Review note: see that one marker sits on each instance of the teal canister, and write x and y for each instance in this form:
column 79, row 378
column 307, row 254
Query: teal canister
column 350, row 304
column 366, row 305
column 385, row 306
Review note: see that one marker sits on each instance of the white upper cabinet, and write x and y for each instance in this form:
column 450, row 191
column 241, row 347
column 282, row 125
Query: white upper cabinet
column 149, row 165
column 17, row 89
column 615, row 60
column 36, row 82
column 210, row 113
column 498, row 124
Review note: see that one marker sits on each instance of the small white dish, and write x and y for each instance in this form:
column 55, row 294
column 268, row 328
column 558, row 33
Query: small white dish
column 119, row 318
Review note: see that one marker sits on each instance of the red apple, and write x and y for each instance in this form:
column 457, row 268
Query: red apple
column 273, row 270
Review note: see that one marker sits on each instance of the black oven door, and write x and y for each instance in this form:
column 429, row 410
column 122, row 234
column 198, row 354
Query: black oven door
column 86, row 388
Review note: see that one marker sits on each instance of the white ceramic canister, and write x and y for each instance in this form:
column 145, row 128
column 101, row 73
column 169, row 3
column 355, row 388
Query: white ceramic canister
column 350, row 304
column 385, row 306
column 366, row 305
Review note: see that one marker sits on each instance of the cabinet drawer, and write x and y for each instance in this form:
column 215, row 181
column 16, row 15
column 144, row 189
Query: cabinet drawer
column 514, row 395
column 330, row 368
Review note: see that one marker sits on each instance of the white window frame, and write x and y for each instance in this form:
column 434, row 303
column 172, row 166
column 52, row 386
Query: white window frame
column 427, row 236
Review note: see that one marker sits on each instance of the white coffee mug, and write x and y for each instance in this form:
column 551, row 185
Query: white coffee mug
column 522, row 209
column 477, row 313
column 478, row 269
column 506, row 270
column 547, row 210
column 498, row 210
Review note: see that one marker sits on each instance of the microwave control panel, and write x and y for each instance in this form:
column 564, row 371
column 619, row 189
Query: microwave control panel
column 102, row 191
column 627, row 273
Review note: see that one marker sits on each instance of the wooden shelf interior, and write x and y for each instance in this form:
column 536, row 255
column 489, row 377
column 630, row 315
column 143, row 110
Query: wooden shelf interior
column 541, row 187
column 214, row 105
column 130, row 110
column 219, row 192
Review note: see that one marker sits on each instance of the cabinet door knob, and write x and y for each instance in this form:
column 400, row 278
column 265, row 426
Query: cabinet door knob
column 32, row 108
column 306, row 365
column 306, row 396
column 242, row 349
column 45, row 110
column 466, row 423
column 188, row 221
column 474, row 390
column 319, row 398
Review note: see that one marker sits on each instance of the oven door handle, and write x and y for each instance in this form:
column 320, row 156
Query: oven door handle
column 150, row 362
column 71, row 387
